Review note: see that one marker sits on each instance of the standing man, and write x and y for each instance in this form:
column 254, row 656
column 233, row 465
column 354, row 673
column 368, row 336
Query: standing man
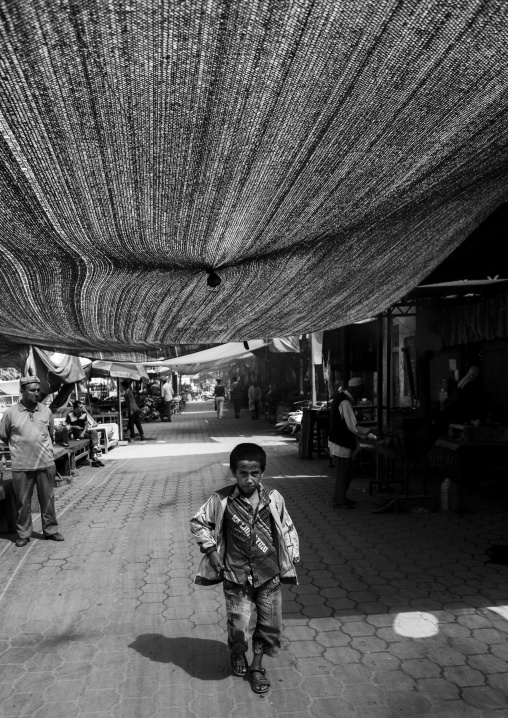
column 343, row 440
column 255, row 396
column 29, row 431
column 133, row 414
column 236, row 395
column 167, row 395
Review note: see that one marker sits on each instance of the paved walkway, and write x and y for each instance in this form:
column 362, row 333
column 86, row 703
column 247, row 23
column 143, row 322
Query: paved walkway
column 395, row 614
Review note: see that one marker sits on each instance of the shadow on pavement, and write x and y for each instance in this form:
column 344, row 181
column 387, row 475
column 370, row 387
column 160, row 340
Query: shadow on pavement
column 201, row 658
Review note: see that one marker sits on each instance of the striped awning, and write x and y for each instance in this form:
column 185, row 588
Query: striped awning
column 320, row 156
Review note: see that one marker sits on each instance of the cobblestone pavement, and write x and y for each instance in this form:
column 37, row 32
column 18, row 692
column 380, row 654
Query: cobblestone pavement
column 394, row 615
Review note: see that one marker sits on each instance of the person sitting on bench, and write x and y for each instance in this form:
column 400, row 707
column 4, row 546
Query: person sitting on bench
column 80, row 425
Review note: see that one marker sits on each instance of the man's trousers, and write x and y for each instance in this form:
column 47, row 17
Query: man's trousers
column 24, row 483
column 343, row 477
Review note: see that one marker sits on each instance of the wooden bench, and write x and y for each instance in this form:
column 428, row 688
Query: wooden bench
column 8, row 513
column 66, row 458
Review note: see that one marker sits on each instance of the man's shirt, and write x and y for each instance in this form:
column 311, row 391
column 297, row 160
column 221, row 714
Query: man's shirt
column 251, row 554
column 167, row 392
column 347, row 412
column 131, row 402
column 29, row 435
column 81, row 420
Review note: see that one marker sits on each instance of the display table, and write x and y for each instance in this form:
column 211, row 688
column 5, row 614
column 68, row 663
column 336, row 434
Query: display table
column 315, row 425
column 108, row 436
column 477, row 454
column 106, row 417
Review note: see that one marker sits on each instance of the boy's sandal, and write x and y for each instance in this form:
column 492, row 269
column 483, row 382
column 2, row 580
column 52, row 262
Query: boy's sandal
column 259, row 683
column 239, row 664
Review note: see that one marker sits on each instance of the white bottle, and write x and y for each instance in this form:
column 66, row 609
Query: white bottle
column 445, row 495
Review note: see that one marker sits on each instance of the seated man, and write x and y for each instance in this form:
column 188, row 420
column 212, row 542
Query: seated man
column 80, row 425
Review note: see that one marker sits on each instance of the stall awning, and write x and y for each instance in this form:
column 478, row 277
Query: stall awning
column 210, row 359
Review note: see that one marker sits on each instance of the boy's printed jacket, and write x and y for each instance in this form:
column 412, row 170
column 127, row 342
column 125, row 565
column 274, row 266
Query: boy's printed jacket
column 206, row 527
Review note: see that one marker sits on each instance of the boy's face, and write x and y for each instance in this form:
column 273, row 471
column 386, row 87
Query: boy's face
column 248, row 475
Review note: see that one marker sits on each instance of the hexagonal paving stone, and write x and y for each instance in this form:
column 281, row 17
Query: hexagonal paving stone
column 381, row 662
column 304, row 648
column 332, row 708
column 58, row 710
column 438, row 689
column 489, row 636
column 17, row 654
column 138, row 708
column 445, row 656
column 20, row 704
column 368, row 644
column 485, row 697
column 421, row 668
column 210, row 705
column 333, row 638
column 339, row 655
column 406, row 703
column 498, row 681
column 463, row 676
column 313, row 666
column 323, row 685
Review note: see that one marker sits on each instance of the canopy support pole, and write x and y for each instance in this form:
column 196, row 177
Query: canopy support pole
column 120, row 420
column 312, row 370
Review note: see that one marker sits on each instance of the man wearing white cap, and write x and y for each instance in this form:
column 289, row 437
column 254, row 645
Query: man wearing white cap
column 343, row 440
column 29, row 430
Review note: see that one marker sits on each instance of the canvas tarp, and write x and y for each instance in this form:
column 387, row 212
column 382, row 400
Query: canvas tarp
column 211, row 359
column 321, row 157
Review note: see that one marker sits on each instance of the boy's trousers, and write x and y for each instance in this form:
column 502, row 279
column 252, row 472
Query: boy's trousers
column 254, row 613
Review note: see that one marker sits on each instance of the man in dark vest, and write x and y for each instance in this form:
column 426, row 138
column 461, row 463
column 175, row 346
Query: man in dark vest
column 343, row 440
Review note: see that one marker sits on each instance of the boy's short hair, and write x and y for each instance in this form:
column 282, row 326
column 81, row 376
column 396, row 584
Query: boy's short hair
column 247, row 452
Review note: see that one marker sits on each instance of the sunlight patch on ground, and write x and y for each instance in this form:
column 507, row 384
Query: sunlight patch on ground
column 215, row 445
column 416, row 624
column 501, row 610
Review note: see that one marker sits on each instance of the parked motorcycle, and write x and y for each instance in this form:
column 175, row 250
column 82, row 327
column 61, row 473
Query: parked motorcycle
column 148, row 410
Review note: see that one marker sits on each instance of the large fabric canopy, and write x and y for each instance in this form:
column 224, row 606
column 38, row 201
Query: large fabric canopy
column 322, row 156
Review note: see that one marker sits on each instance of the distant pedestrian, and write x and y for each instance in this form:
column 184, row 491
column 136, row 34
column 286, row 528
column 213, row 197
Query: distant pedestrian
column 219, row 393
column 343, row 440
column 236, row 394
column 154, row 390
column 255, row 398
column 28, row 429
column 133, row 414
column 167, row 395
column 250, row 543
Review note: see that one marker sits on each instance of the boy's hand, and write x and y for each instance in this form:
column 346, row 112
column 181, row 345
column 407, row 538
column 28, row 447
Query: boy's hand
column 216, row 562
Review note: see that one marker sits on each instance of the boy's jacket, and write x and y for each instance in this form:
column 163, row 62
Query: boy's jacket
column 206, row 527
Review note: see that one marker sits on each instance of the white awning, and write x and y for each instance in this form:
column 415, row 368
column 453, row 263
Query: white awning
column 210, row 358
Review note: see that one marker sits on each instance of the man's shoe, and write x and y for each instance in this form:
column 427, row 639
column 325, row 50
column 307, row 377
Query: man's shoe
column 342, row 506
column 54, row 537
column 350, row 502
column 22, row 542
column 97, row 464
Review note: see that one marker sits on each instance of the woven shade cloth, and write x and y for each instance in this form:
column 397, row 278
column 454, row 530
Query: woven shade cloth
column 322, row 156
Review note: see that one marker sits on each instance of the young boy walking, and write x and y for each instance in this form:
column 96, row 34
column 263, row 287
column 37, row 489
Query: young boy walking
column 250, row 543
